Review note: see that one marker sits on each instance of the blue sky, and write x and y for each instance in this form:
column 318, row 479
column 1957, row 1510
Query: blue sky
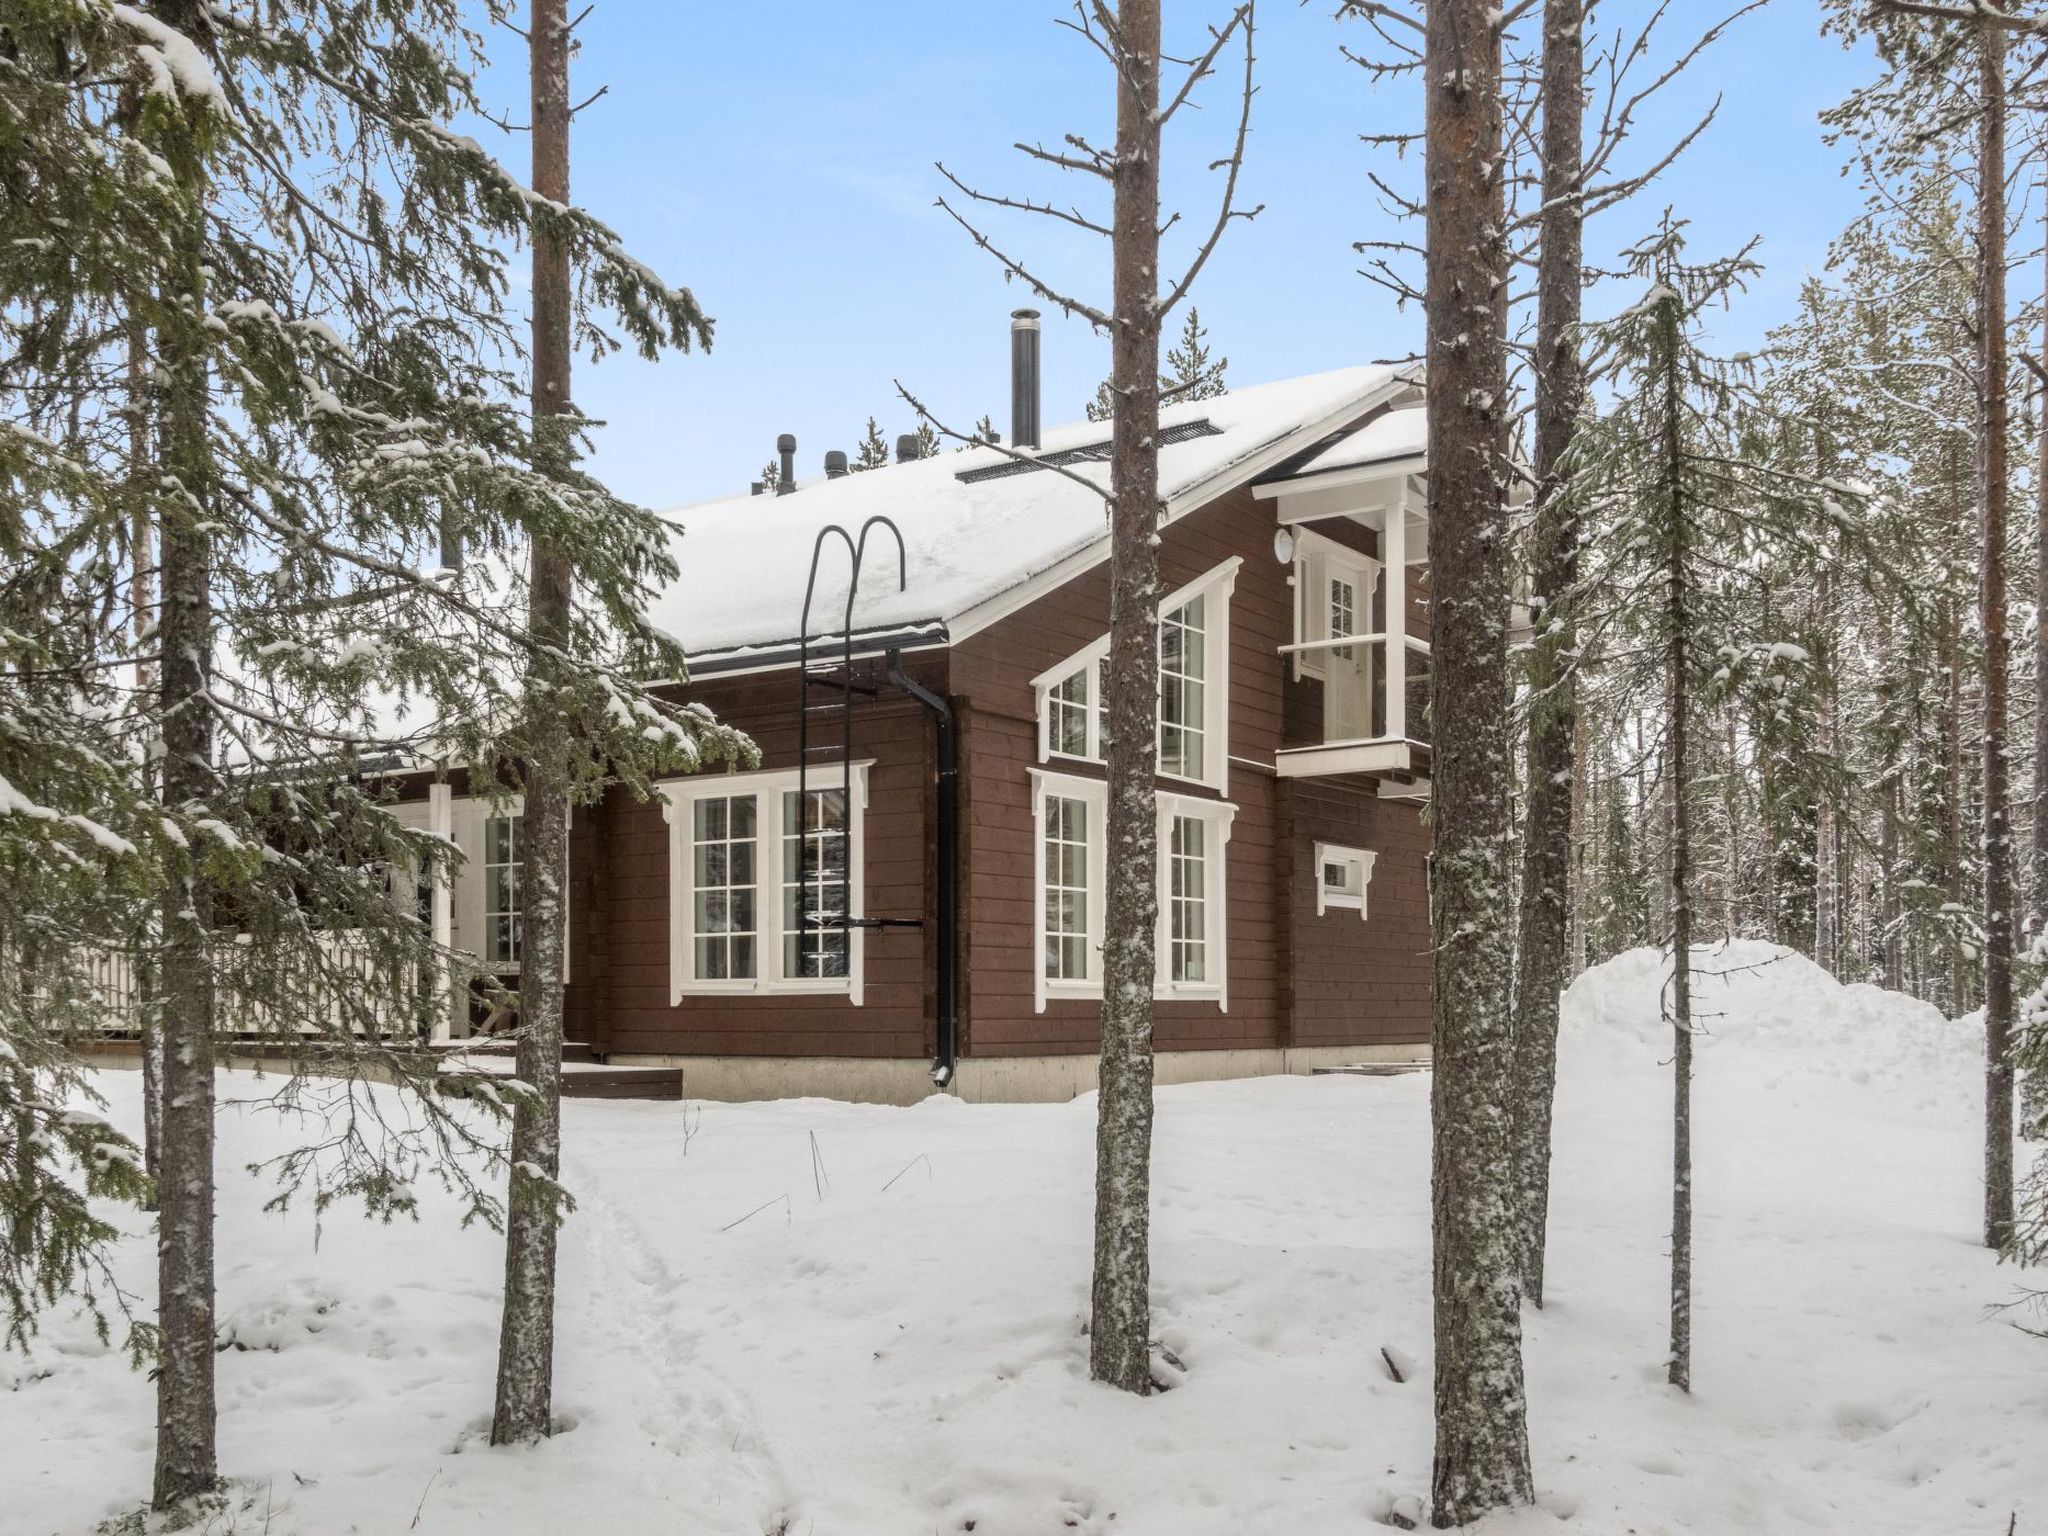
column 779, row 160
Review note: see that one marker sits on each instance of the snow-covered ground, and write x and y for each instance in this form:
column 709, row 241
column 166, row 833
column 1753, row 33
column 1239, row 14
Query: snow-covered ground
column 820, row 1318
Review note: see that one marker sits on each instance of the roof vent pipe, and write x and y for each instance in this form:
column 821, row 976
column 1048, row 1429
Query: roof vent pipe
column 1024, row 378
column 785, row 476
column 906, row 448
column 835, row 464
column 760, row 488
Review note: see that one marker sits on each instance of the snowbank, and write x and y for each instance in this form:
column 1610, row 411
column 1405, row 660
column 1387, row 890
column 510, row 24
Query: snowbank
column 1771, row 1014
column 823, row 1319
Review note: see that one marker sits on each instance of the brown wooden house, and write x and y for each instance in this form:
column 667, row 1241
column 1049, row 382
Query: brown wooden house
column 909, row 890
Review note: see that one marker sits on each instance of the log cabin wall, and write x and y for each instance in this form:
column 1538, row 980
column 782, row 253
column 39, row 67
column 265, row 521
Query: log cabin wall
column 629, row 965
column 1357, row 980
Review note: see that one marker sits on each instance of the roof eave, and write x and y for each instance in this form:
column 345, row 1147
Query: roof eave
column 979, row 616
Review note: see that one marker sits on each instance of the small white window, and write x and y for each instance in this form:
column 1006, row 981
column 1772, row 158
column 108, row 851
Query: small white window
column 501, row 893
column 1343, row 875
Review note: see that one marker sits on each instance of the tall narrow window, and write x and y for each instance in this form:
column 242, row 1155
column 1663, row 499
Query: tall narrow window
column 1188, row 898
column 501, row 891
column 1183, row 664
column 815, row 888
column 1066, row 889
column 726, row 888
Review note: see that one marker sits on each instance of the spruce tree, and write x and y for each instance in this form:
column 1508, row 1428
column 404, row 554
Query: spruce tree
column 1699, row 495
column 261, row 203
column 873, row 452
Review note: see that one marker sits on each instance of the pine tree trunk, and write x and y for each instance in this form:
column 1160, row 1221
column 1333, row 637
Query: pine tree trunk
column 142, row 577
column 186, row 1465
column 1583, row 834
column 526, row 1344
column 1120, row 1305
column 1677, row 703
column 1826, row 905
column 2036, row 1082
column 1553, row 684
column 1482, row 1442
column 1992, row 472
column 1952, row 734
column 1731, row 813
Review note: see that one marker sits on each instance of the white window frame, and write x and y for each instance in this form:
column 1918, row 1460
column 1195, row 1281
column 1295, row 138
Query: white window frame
column 1314, row 555
column 1360, row 860
column 467, row 817
column 1090, row 659
column 679, row 798
column 1215, row 585
column 1218, row 816
column 514, row 823
column 1093, row 793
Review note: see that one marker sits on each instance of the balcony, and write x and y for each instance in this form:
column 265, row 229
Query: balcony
column 1353, row 528
column 1372, row 716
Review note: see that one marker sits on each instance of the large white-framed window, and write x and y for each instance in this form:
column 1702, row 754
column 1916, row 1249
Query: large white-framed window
column 1069, row 817
column 724, row 869
column 1070, row 887
column 1193, row 731
column 757, row 881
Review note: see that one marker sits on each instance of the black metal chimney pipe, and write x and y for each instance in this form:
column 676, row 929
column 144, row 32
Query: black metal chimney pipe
column 835, row 464
column 1024, row 378
column 906, row 447
column 785, row 477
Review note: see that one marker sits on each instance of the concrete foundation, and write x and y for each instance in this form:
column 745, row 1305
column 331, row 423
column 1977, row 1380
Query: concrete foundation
column 986, row 1080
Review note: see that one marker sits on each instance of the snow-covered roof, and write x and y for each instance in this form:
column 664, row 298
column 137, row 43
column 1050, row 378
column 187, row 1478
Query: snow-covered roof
column 1389, row 438
column 975, row 525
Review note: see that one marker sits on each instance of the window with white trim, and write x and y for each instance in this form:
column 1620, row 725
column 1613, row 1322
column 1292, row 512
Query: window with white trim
column 816, row 868
column 1187, row 900
column 725, row 927
column 1343, row 876
column 1074, row 711
column 1183, row 690
column 1068, row 908
column 502, row 920
column 759, row 888
column 1070, row 884
column 1194, row 669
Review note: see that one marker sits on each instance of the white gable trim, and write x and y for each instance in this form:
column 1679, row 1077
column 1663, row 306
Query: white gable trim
column 979, row 616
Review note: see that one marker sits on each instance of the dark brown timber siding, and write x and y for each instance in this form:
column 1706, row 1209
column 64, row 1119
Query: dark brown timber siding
column 630, row 964
column 1357, row 983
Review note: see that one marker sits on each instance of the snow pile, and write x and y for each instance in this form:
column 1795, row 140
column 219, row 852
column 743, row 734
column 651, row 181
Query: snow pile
column 1771, row 1014
column 810, row 1317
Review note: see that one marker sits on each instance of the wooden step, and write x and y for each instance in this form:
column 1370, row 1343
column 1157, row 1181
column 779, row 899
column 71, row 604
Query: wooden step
column 572, row 1050
column 595, row 1082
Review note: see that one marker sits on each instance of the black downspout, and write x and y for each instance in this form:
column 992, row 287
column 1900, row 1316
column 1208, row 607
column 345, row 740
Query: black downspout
column 949, row 869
